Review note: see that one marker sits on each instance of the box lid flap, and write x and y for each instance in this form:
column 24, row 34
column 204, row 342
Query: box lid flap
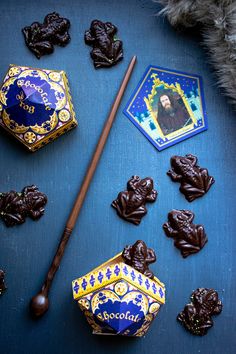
column 113, row 270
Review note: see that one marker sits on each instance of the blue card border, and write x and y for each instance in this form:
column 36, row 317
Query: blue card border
column 180, row 138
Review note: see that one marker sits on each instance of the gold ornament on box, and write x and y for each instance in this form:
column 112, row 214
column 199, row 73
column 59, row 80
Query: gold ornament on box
column 36, row 103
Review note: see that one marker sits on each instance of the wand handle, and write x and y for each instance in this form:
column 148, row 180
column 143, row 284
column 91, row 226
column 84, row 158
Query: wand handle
column 56, row 260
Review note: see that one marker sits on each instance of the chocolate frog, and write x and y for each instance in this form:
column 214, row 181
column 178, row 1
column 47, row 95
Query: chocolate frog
column 196, row 316
column 15, row 207
column 195, row 181
column 139, row 257
column 41, row 38
column 188, row 237
column 130, row 204
column 106, row 51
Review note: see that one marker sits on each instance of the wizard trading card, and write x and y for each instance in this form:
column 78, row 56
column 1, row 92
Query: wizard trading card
column 168, row 106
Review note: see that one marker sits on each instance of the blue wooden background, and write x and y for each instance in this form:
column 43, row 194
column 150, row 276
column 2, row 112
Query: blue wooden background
column 26, row 251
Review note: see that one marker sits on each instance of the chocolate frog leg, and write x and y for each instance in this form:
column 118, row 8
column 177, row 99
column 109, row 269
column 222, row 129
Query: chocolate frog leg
column 100, row 58
column 191, row 192
column 208, row 180
column 117, row 45
column 126, row 253
column 169, row 231
column 62, row 39
column 174, row 176
column 117, row 50
column 110, row 29
column 135, row 216
column 89, row 39
column 186, row 248
column 149, row 273
column 188, row 314
column 189, row 214
column 151, row 197
column 45, row 45
column 121, row 202
column 201, row 236
column 151, row 258
column 192, row 159
column 132, row 183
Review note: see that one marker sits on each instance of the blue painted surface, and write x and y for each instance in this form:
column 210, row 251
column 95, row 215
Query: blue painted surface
column 26, row 251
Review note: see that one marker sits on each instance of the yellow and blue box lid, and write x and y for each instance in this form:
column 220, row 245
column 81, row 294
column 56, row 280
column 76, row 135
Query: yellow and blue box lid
column 117, row 299
column 36, row 105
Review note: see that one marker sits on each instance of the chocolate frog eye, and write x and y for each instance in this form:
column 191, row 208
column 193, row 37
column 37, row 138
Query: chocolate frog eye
column 179, row 217
column 184, row 161
column 144, row 183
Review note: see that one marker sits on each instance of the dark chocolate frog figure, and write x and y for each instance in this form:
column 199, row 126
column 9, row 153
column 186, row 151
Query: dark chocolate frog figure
column 2, row 282
column 195, row 181
column 139, row 257
column 196, row 316
column 106, row 51
column 15, row 207
column 41, row 38
column 188, row 237
column 130, row 204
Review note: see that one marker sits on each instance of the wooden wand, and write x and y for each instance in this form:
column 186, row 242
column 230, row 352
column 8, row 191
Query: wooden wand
column 39, row 304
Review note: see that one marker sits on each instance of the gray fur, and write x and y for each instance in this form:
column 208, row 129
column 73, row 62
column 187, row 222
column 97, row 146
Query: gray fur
column 217, row 19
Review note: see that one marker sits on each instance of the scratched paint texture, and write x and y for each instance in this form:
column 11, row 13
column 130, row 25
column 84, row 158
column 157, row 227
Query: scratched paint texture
column 58, row 169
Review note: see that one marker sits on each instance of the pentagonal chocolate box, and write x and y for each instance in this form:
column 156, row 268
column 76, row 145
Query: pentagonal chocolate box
column 35, row 105
column 117, row 299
